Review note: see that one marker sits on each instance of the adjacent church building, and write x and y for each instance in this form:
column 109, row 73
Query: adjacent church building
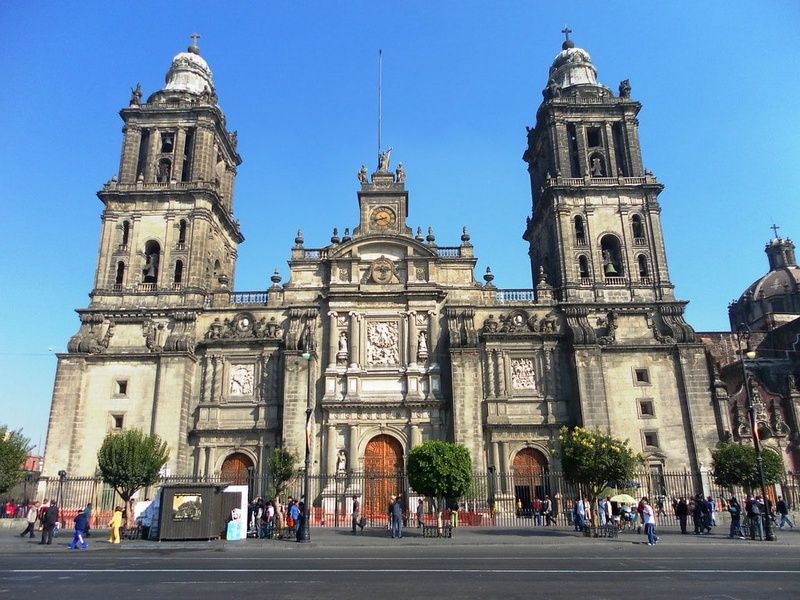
column 383, row 337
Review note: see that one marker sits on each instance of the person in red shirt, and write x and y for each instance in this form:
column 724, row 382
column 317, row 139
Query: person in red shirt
column 11, row 509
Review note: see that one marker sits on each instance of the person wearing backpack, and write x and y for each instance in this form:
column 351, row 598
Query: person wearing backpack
column 736, row 518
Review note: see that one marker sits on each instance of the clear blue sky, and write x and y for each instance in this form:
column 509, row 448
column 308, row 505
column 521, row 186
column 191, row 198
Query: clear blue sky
column 718, row 81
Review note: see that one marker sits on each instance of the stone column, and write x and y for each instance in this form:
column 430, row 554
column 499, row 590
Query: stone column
column 152, row 156
column 502, row 375
column 177, row 154
column 416, row 436
column 411, row 318
column 433, row 340
column 207, row 466
column 496, row 465
column 130, row 154
column 490, row 362
column 216, row 395
column 207, row 379
column 330, row 450
column 504, row 466
column 333, row 343
column 354, row 341
column 352, row 449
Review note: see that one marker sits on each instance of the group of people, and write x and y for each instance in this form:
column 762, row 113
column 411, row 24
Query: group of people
column 541, row 511
column 268, row 518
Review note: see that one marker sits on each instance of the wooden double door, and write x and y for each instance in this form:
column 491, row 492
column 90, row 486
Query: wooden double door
column 383, row 475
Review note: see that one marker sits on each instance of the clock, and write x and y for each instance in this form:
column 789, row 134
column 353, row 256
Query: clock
column 383, row 218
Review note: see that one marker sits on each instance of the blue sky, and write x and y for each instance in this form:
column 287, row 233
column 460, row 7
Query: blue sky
column 461, row 80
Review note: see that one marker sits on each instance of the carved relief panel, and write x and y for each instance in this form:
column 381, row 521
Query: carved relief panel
column 523, row 374
column 383, row 343
column 241, row 380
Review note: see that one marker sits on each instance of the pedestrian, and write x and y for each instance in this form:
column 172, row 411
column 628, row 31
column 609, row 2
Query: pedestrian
column 293, row 520
column 537, row 512
column 49, row 520
column 397, row 518
column 356, row 514
column 660, row 507
column 782, row 508
column 420, row 513
column 736, row 518
column 88, row 514
column 601, row 512
column 454, row 514
column 81, row 523
column 682, row 512
column 33, row 514
column 547, row 510
column 649, row 522
column 753, row 512
column 115, row 523
column 711, row 517
column 580, row 514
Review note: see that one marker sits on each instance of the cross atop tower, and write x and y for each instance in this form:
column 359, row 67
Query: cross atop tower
column 775, row 230
column 194, row 47
column 566, row 31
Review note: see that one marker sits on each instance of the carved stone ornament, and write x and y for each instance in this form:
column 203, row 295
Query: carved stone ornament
column 242, row 377
column 383, row 343
column 243, row 326
column 383, row 271
column 523, row 376
column 90, row 338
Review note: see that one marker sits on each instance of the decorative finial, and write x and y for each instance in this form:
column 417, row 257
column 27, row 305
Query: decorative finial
column 298, row 240
column 335, row 236
column 775, row 230
column 419, row 237
column 488, row 277
column 464, row 236
column 276, row 278
column 568, row 43
column 346, row 237
column 194, row 48
column 430, row 238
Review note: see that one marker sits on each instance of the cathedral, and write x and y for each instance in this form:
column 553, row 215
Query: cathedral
column 382, row 338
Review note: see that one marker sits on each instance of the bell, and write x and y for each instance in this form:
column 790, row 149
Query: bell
column 610, row 270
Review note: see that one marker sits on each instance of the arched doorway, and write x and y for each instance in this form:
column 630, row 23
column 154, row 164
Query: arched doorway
column 529, row 479
column 383, row 475
column 237, row 468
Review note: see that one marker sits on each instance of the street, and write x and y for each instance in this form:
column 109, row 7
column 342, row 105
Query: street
column 477, row 563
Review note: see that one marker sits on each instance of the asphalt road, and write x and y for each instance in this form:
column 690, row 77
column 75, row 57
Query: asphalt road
column 487, row 564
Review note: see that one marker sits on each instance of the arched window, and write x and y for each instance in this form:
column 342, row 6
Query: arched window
column 119, row 279
column 612, row 256
column 178, row 271
column 644, row 272
column 637, row 228
column 583, row 267
column 164, row 170
column 182, row 232
column 152, row 253
column 580, row 231
column 126, row 232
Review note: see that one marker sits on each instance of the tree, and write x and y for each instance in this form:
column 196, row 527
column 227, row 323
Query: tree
column 440, row 470
column 131, row 460
column 14, row 448
column 282, row 466
column 735, row 464
column 595, row 460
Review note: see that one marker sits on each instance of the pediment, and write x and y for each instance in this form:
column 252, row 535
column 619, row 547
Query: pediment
column 372, row 248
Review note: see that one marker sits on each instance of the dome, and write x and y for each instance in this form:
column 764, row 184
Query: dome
column 573, row 66
column 189, row 72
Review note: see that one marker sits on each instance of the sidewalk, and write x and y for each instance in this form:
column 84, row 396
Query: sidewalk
column 376, row 537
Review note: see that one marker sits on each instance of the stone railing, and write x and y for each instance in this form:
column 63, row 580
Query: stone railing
column 608, row 181
column 249, row 297
column 448, row 251
column 616, row 281
column 157, row 185
column 519, row 295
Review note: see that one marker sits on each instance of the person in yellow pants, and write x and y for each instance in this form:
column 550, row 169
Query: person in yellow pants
column 115, row 523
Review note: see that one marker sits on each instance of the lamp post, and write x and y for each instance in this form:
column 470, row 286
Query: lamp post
column 62, row 475
column 743, row 334
column 305, row 532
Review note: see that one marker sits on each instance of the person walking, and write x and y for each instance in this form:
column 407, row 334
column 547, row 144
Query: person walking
column 115, row 523
column 649, row 519
column 420, row 513
column 580, row 513
column 49, row 520
column 682, row 512
column 397, row 518
column 735, row 511
column 81, row 524
column 30, row 517
column 88, row 514
column 547, row 511
column 781, row 507
column 356, row 514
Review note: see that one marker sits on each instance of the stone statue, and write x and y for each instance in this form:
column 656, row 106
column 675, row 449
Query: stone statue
column 383, row 160
column 136, row 95
column 422, row 345
column 625, row 89
column 151, row 267
column 343, row 352
column 341, row 462
column 553, row 89
column 362, row 174
column 400, row 173
column 597, row 167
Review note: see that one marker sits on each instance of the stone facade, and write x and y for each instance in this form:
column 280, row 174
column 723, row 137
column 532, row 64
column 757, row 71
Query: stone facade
column 383, row 333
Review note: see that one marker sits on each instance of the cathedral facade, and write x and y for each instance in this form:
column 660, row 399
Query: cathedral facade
column 382, row 339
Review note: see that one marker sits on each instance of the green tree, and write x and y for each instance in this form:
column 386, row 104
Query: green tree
column 131, row 460
column 735, row 464
column 440, row 470
column 282, row 466
column 595, row 460
column 14, row 448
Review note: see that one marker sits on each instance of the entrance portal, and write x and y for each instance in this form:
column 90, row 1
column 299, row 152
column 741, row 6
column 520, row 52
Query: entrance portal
column 383, row 475
column 237, row 469
column 529, row 479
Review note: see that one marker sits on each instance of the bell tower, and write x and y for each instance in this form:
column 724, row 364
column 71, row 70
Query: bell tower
column 168, row 232
column 595, row 228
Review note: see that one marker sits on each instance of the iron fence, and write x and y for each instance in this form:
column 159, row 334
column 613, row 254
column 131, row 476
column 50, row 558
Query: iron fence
column 493, row 499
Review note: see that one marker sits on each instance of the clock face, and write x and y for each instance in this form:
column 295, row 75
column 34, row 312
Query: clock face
column 383, row 218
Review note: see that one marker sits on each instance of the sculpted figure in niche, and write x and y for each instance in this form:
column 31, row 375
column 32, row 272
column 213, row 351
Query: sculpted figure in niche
column 597, row 167
column 362, row 174
column 422, row 345
column 341, row 462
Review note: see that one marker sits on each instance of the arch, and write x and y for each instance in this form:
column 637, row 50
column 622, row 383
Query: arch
column 583, row 267
column 237, row 468
column 610, row 249
column 383, row 474
column 530, row 482
column 637, row 227
column 182, row 227
column 152, row 253
column 164, row 170
column 119, row 278
column 178, row 277
column 644, row 269
column 126, row 232
column 580, row 230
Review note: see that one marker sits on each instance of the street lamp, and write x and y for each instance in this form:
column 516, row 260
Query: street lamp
column 743, row 334
column 305, row 532
column 62, row 475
